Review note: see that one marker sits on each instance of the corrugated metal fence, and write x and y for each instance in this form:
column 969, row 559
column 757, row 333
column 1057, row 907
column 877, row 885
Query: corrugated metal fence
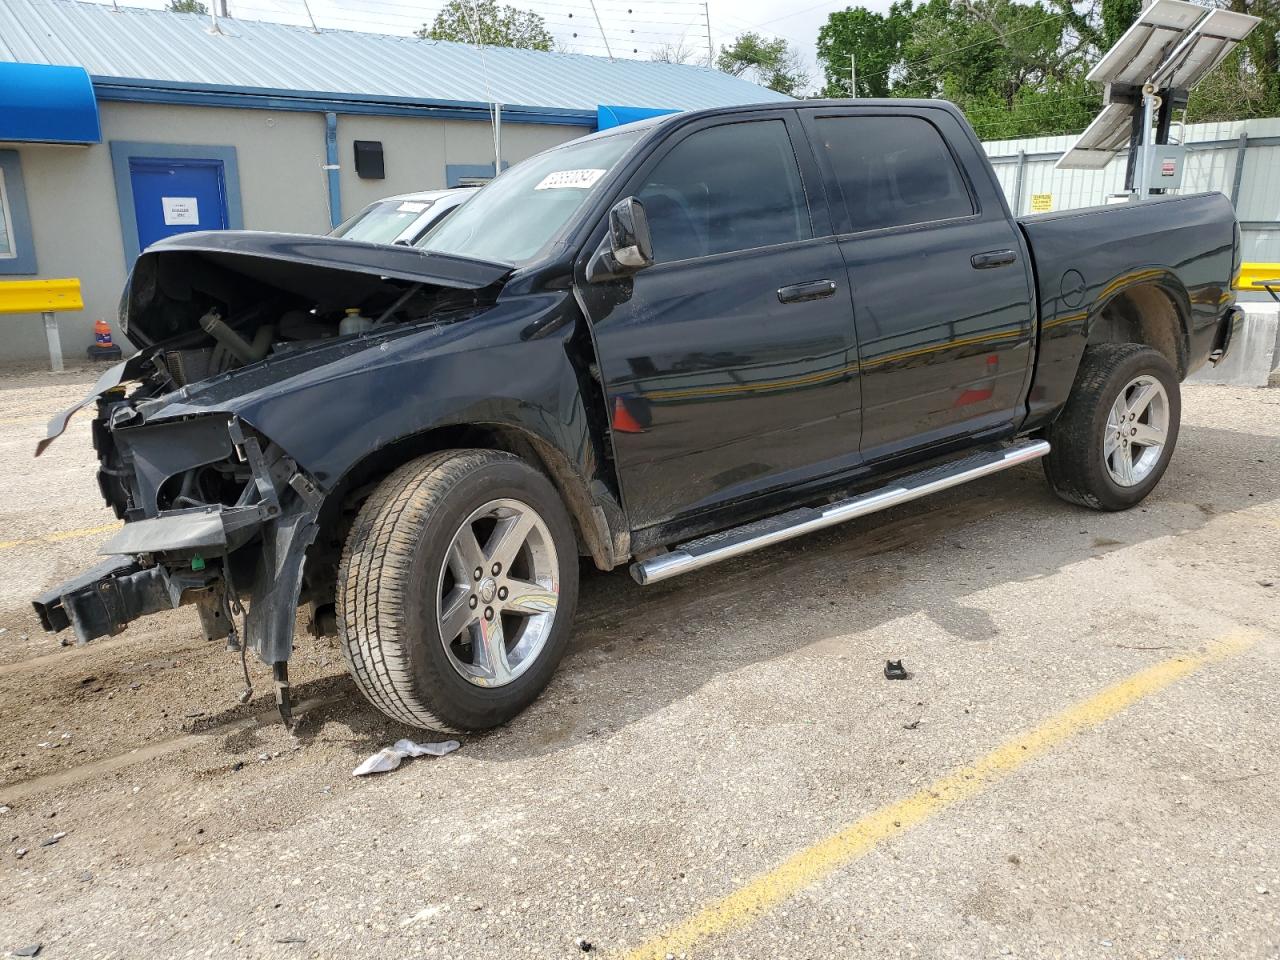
column 1241, row 159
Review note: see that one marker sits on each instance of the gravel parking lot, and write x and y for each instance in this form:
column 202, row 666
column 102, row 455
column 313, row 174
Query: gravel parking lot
column 1083, row 763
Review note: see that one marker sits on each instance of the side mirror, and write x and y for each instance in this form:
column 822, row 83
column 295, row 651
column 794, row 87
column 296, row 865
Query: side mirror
column 627, row 247
column 629, row 234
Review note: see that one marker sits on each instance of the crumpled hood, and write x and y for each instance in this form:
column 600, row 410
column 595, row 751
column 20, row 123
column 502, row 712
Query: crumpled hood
column 247, row 265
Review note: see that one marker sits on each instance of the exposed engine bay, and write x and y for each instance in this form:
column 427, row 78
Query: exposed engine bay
column 214, row 310
column 215, row 512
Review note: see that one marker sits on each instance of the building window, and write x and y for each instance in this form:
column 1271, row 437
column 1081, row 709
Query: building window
column 17, row 252
column 7, row 246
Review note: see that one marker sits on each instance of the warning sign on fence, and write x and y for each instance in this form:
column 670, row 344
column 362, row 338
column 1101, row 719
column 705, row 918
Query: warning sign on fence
column 1041, row 202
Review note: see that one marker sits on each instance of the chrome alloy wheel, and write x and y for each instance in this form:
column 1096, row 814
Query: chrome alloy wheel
column 1137, row 426
column 497, row 593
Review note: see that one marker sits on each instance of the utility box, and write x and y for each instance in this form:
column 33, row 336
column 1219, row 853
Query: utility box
column 1165, row 172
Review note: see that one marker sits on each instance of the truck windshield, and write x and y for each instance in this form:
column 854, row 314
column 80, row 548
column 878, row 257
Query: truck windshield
column 516, row 216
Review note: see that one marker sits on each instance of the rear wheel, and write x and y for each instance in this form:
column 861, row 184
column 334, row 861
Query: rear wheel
column 1114, row 439
column 456, row 590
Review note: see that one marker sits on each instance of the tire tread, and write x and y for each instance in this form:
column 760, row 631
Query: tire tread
column 1069, row 465
column 374, row 580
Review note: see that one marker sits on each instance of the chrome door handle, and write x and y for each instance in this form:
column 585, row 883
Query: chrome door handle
column 800, row 292
column 992, row 258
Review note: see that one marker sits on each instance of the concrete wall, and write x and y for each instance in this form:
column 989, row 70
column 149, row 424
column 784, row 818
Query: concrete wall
column 75, row 217
column 1254, row 353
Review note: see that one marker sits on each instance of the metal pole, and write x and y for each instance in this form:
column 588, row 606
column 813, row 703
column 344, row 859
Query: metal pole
column 307, row 7
column 1241, row 153
column 55, row 341
column 853, row 75
column 1144, row 147
column 1017, row 183
column 711, row 50
column 1131, row 158
column 497, row 139
column 601, row 27
column 332, row 168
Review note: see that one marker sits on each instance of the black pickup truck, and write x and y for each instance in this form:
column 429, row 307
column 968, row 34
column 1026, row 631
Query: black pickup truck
column 665, row 345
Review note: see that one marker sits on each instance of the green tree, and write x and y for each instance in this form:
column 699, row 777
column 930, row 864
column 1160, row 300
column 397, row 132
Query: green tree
column 771, row 63
column 187, row 6
column 1117, row 17
column 872, row 40
column 1016, row 69
column 1259, row 64
column 485, row 22
column 1247, row 84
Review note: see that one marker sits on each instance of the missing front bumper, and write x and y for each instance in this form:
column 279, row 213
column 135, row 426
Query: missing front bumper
column 255, row 549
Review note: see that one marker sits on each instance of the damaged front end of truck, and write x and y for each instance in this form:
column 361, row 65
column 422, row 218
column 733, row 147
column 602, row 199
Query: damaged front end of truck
column 236, row 331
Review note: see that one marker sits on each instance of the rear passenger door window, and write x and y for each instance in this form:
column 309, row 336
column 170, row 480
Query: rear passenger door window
column 726, row 188
column 891, row 171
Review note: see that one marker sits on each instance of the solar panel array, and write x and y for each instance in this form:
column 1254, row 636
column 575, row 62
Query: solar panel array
column 1172, row 45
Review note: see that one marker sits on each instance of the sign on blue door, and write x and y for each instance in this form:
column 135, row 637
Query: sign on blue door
column 177, row 196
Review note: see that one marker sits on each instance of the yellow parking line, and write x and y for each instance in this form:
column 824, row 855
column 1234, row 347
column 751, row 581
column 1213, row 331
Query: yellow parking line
column 58, row 536
column 814, row 863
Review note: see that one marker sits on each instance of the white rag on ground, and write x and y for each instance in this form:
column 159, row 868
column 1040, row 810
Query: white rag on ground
column 389, row 758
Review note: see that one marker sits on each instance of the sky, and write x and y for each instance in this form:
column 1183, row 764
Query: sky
column 634, row 28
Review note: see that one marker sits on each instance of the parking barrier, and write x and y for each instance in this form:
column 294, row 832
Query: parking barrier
column 45, row 297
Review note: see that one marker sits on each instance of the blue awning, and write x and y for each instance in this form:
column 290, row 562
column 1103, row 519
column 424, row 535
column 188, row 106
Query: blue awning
column 40, row 103
column 607, row 117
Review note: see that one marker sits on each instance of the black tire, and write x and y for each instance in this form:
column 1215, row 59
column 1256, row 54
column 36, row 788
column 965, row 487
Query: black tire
column 389, row 581
column 1075, row 466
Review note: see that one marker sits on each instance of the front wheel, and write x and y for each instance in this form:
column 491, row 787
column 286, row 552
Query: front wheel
column 456, row 590
column 1116, row 434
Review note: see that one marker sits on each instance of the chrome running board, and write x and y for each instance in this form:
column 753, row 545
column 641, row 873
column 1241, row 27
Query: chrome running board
column 726, row 544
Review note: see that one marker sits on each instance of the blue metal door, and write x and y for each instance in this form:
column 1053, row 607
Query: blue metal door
column 177, row 196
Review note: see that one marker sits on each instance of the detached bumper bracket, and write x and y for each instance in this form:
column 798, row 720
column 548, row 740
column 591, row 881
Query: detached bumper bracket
column 102, row 601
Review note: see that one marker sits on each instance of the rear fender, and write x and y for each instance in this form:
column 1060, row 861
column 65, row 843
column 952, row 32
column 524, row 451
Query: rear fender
column 1136, row 308
column 1069, row 325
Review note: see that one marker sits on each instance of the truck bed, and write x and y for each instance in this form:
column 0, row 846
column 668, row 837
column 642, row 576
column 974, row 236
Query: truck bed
column 1084, row 258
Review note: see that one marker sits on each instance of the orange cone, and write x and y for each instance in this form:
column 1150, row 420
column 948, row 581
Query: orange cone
column 103, row 347
column 623, row 421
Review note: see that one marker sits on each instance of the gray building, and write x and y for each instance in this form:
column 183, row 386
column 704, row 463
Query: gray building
column 120, row 127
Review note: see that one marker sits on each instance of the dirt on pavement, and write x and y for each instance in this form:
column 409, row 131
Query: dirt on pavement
column 698, row 733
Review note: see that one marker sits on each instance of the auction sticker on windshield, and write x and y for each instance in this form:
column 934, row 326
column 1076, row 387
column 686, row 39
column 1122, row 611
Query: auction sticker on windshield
column 570, row 180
